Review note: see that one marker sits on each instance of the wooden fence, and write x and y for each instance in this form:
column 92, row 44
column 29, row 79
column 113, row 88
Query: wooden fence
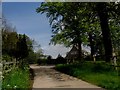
column 8, row 66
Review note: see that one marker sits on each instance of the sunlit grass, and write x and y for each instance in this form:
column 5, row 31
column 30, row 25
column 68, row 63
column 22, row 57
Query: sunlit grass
column 100, row 74
column 17, row 79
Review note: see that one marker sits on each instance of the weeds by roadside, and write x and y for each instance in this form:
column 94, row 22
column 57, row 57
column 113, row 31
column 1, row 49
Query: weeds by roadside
column 17, row 79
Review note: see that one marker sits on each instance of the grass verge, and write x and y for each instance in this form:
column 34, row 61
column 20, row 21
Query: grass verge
column 17, row 79
column 100, row 74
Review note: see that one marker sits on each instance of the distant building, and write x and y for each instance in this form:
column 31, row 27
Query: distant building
column 73, row 53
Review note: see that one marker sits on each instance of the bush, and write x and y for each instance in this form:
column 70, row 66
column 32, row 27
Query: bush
column 6, row 58
column 101, row 67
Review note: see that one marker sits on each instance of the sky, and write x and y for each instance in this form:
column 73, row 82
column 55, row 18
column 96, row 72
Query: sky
column 23, row 16
column 61, row 0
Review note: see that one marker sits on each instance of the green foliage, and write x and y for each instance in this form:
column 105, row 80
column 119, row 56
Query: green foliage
column 14, row 45
column 17, row 79
column 73, row 22
column 99, row 73
column 9, row 40
column 31, row 58
column 6, row 58
column 64, row 68
column 64, row 20
column 22, row 48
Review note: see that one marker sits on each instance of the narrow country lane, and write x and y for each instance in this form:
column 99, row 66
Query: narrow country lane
column 47, row 77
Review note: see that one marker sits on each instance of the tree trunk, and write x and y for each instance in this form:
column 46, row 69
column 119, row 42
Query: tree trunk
column 80, row 50
column 78, row 40
column 91, row 46
column 103, row 15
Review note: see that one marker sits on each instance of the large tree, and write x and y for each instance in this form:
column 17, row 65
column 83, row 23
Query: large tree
column 9, row 40
column 66, row 23
column 103, row 15
column 69, row 22
column 22, row 48
column 13, row 44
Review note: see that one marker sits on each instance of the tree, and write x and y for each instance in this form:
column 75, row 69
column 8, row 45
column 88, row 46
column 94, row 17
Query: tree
column 65, row 22
column 103, row 15
column 16, row 46
column 22, row 48
column 115, row 36
column 9, row 39
column 49, row 57
column 60, row 60
column 104, row 11
column 69, row 23
column 59, row 57
column 39, row 53
column 31, row 58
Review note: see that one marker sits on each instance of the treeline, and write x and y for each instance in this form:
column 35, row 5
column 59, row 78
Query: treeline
column 95, row 25
column 16, row 47
column 50, row 61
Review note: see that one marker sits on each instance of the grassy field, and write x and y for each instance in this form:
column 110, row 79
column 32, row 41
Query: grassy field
column 17, row 79
column 99, row 73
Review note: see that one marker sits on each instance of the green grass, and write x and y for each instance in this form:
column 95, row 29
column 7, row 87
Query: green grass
column 100, row 74
column 17, row 79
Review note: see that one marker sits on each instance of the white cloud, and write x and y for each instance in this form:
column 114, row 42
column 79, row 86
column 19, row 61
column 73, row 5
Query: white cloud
column 55, row 50
column 43, row 39
column 59, row 49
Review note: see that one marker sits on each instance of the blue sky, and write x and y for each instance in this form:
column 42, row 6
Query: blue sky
column 23, row 16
